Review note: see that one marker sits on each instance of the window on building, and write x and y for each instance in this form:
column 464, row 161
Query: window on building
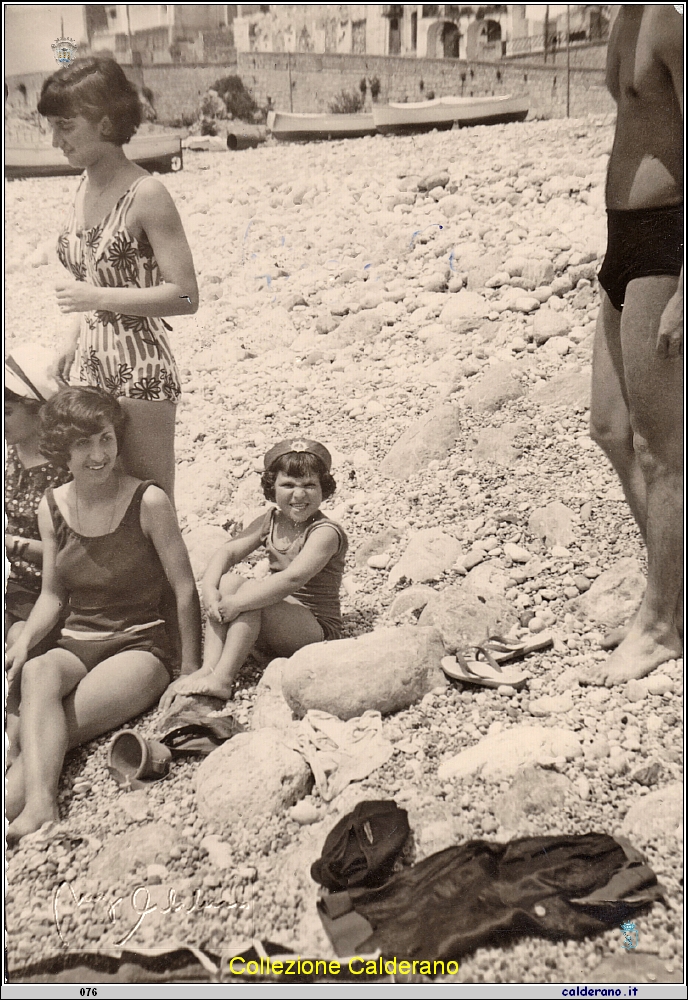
column 358, row 38
column 414, row 31
column 394, row 37
column 431, row 10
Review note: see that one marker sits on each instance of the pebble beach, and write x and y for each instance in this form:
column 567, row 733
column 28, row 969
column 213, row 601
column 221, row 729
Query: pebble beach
column 424, row 306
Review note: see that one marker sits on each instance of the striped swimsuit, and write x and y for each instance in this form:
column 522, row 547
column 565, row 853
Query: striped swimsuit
column 125, row 355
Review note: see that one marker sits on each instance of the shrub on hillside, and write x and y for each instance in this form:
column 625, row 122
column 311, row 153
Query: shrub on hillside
column 346, row 103
column 238, row 100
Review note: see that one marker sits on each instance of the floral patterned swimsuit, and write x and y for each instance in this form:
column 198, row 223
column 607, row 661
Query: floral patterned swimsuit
column 125, row 355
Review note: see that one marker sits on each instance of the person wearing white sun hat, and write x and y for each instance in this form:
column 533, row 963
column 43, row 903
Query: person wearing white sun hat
column 28, row 385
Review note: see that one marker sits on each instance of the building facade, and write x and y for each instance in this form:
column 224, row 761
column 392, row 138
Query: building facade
column 145, row 33
column 432, row 31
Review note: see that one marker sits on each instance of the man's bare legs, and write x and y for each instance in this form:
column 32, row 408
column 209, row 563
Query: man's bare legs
column 636, row 417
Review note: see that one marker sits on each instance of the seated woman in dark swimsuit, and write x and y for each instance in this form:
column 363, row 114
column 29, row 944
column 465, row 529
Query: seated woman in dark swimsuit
column 109, row 543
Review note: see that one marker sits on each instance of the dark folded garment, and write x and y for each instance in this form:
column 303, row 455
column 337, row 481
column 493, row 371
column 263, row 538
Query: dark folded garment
column 484, row 894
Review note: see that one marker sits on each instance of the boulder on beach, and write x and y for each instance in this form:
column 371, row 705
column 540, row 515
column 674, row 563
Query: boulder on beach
column 499, row 384
column 385, row 670
column 613, row 597
column 145, row 844
column 496, row 445
column 503, row 754
column 656, row 815
column 412, row 599
column 570, row 391
column 432, row 437
column 465, row 619
column 428, row 554
column 462, row 306
column 252, row 776
column 553, row 524
column 532, row 796
column 547, row 324
column 270, row 710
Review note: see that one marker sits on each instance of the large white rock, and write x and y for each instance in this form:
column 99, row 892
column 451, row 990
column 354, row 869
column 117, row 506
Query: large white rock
column 496, row 444
column 486, row 580
column 385, row 670
column 464, row 305
column 658, row 814
column 253, row 775
column 548, row 323
column 464, row 619
column 427, row 556
column 553, row 524
column 499, row 756
column 613, row 597
column 500, row 383
column 144, row 844
column 570, row 391
column 270, row 710
column 432, row 437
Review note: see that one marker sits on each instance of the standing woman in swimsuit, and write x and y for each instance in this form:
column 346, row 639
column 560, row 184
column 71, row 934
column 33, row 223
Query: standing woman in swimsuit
column 130, row 263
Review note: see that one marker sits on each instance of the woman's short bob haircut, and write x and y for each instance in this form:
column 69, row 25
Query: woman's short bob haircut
column 76, row 413
column 300, row 465
column 95, row 87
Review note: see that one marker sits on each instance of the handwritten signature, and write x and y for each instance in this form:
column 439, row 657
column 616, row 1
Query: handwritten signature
column 132, row 907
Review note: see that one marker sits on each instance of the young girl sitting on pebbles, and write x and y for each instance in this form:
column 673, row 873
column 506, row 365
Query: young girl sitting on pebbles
column 298, row 603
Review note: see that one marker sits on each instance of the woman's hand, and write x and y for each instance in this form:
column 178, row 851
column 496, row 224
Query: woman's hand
column 211, row 603
column 670, row 333
column 78, row 296
column 228, row 609
column 186, row 684
column 15, row 658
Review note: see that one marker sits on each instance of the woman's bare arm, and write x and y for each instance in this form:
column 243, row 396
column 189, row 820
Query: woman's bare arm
column 159, row 523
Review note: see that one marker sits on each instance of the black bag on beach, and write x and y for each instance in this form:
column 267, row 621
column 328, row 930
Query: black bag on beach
column 362, row 848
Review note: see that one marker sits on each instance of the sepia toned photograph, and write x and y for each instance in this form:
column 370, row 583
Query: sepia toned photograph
column 344, row 497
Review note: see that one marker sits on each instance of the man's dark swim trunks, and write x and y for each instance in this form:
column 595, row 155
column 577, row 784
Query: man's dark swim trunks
column 641, row 242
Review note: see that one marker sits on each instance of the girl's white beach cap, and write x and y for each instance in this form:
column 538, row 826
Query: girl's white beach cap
column 28, row 372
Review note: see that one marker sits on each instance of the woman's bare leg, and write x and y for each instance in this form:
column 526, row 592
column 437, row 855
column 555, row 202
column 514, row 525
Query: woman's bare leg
column 115, row 691
column 148, row 449
column 46, row 680
column 13, row 699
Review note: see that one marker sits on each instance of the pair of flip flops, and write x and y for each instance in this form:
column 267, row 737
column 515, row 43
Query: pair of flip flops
column 134, row 761
column 486, row 668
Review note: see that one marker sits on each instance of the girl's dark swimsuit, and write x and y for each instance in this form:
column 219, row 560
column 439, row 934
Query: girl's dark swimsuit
column 641, row 242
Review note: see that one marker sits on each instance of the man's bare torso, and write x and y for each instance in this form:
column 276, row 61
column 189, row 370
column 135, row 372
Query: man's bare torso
column 645, row 59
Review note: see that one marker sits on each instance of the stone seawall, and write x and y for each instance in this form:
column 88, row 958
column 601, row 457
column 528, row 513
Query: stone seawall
column 315, row 80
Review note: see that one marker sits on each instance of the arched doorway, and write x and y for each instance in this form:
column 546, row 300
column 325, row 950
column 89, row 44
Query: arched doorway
column 443, row 40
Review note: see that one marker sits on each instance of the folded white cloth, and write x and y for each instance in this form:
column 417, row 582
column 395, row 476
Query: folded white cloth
column 340, row 752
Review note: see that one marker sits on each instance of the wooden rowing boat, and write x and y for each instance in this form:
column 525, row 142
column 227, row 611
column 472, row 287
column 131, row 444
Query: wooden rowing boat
column 445, row 112
column 289, row 127
column 161, row 153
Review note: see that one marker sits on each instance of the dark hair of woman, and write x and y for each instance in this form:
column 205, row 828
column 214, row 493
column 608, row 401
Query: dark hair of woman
column 94, row 87
column 76, row 413
column 300, row 465
column 31, row 405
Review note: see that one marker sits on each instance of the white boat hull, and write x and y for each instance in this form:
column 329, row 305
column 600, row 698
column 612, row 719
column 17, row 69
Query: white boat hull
column 445, row 112
column 161, row 153
column 290, row 127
